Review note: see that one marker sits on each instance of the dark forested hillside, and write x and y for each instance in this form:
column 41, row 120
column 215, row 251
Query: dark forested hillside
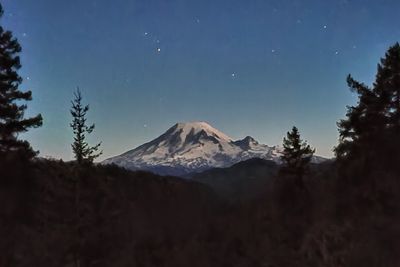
column 243, row 181
column 58, row 214
column 54, row 212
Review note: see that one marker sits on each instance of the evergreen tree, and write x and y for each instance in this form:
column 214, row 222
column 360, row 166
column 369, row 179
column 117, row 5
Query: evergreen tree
column 296, row 156
column 387, row 87
column 363, row 123
column 82, row 151
column 12, row 121
column 372, row 127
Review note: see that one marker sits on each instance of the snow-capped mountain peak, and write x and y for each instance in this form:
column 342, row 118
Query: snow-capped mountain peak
column 192, row 147
column 200, row 126
column 247, row 143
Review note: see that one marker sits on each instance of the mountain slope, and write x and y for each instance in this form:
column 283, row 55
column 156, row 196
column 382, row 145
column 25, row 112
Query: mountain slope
column 192, row 147
column 245, row 180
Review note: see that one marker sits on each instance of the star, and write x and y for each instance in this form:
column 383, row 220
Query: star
column 28, row 78
column 336, row 52
column 158, row 50
column 198, row 20
column 273, row 51
column 146, row 33
column 325, row 26
column 233, row 75
column 24, row 34
column 144, row 125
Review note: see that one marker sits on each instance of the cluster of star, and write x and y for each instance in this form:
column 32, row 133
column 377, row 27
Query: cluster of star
column 233, row 75
column 336, row 52
column 155, row 40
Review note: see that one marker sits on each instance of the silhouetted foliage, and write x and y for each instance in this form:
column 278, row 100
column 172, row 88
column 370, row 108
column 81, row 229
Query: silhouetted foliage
column 12, row 121
column 82, row 151
column 84, row 155
column 140, row 219
column 296, row 155
column 372, row 127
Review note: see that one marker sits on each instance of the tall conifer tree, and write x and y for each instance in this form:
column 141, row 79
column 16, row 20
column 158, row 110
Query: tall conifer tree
column 372, row 127
column 12, row 120
column 82, row 151
column 296, row 155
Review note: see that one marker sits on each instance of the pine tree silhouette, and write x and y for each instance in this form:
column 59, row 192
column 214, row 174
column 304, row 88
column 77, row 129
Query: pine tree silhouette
column 82, row 151
column 296, row 156
column 372, row 127
column 12, row 121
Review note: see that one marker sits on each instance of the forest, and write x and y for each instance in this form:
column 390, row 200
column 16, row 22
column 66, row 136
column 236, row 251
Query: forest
column 342, row 212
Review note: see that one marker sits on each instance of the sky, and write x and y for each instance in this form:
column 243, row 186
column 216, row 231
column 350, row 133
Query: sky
column 248, row 67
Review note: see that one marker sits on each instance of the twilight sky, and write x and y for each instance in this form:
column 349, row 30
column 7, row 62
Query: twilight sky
column 248, row 67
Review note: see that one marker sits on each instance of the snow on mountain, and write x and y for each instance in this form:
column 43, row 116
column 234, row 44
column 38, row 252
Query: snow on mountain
column 192, row 147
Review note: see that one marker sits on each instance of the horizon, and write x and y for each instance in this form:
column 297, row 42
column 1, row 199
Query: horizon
column 253, row 69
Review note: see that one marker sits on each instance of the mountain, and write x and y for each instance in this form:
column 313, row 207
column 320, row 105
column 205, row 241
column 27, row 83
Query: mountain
column 193, row 147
